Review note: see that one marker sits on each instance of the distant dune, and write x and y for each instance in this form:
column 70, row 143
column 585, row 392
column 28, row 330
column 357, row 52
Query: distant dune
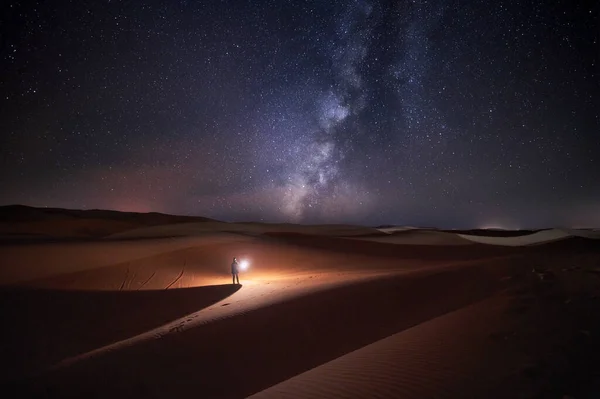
column 417, row 237
column 190, row 228
column 393, row 229
column 24, row 221
column 539, row 237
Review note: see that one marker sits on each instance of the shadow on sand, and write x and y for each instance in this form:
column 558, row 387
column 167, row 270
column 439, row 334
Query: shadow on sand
column 42, row 327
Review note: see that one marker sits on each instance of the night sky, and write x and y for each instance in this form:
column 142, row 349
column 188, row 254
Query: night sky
column 439, row 113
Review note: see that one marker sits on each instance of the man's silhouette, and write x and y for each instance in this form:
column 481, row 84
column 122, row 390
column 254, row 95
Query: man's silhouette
column 235, row 269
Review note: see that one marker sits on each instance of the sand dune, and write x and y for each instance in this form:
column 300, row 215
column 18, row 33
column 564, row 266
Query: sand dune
column 20, row 263
column 417, row 237
column 205, row 353
column 417, row 252
column 324, row 311
column 394, row 229
column 174, row 230
column 190, row 229
column 414, row 236
column 83, row 288
column 540, row 237
column 72, row 228
column 585, row 233
column 436, row 359
column 48, row 326
column 17, row 221
column 118, row 265
column 82, row 274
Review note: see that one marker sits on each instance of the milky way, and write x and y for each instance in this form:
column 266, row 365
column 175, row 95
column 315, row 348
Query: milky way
column 431, row 113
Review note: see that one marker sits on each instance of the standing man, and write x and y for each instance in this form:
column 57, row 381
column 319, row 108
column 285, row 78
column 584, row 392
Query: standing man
column 235, row 269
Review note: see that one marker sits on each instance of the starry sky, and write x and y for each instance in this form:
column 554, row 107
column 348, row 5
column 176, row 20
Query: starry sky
column 445, row 113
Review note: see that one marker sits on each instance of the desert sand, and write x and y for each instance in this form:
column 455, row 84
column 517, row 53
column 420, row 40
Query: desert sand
column 144, row 307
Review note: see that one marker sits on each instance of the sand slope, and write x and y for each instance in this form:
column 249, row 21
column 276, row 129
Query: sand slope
column 440, row 358
column 20, row 263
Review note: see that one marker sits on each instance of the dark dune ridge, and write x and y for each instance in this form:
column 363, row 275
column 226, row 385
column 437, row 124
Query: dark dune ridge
column 20, row 223
column 23, row 213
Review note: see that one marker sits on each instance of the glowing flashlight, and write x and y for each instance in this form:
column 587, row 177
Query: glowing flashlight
column 244, row 264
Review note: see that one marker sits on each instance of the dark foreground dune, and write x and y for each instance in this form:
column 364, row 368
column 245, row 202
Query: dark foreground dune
column 45, row 326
